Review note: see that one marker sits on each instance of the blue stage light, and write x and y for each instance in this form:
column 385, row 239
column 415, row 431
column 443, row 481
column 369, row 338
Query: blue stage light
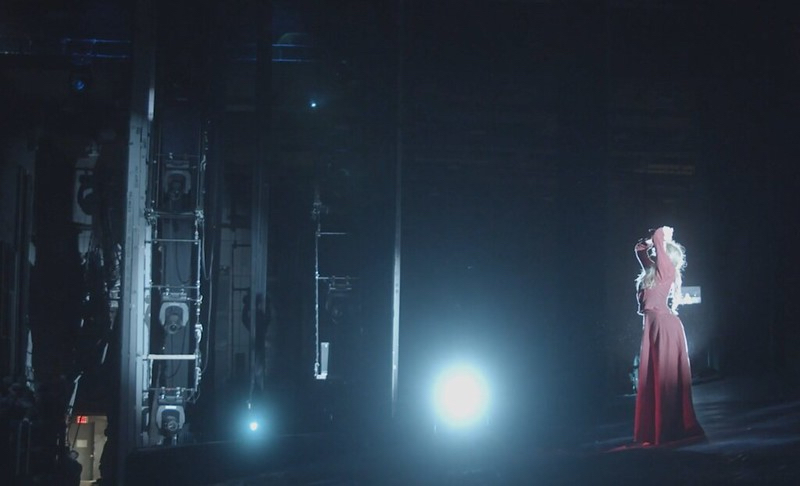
column 461, row 396
column 253, row 424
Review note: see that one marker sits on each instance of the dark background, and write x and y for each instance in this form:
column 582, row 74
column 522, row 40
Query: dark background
column 538, row 141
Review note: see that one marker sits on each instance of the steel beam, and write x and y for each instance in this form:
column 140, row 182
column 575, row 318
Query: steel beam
column 134, row 334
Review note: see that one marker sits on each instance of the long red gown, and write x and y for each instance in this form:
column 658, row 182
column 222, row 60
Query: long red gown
column 664, row 409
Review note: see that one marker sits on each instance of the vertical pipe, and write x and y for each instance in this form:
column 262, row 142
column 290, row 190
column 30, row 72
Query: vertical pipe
column 18, row 459
column 18, row 327
column 259, row 217
column 134, row 338
column 199, row 237
column 317, row 215
column 19, row 251
column 232, row 312
column 398, row 211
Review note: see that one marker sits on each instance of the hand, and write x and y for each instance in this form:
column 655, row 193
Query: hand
column 668, row 231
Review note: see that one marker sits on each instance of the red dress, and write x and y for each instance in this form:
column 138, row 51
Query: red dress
column 664, row 410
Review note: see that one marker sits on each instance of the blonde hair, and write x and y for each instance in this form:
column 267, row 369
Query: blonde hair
column 647, row 277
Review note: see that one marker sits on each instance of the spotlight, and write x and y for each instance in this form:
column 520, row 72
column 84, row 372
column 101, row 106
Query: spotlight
column 337, row 300
column 312, row 104
column 461, row 397
column 78, row 84
column 253, row 423
column 178, row 184
column 170, row 419
column 170, row 414
column 80, row 79
column 173, row 316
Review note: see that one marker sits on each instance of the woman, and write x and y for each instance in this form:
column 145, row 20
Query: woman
column 664, row 410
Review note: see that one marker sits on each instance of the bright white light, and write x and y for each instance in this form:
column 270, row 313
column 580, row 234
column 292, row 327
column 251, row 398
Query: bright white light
column 151, row 104
column 312, row 104
column 253, row 425
column 461, row 396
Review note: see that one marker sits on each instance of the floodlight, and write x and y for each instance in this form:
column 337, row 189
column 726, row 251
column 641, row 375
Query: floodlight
column 173, row 316
column 170, row 413
column 461, row 396
column 252, row 423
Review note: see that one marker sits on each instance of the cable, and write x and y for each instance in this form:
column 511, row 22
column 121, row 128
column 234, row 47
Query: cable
column 177, row 266
column 183, row 349
column 208, row 332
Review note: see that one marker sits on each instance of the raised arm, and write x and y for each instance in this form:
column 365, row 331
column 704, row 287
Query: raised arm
column 664, row 268
column 641, row 249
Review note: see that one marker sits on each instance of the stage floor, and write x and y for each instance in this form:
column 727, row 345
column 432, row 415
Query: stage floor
column 753, row 437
